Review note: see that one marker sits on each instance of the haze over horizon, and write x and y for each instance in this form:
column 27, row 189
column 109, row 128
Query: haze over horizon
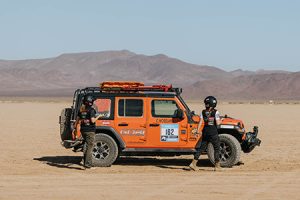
column 229, row 35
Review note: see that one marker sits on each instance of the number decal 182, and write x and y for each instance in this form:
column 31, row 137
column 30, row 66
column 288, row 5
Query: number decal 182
column 170, row 131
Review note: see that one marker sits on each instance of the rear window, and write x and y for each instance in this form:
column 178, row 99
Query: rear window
column 103, row 107
column 130, row 107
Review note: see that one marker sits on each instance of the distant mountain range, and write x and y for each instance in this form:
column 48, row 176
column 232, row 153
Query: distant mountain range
column 61, row 75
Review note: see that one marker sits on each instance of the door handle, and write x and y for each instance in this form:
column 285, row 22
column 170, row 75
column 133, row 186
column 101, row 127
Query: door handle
column 123, row 124
column 153, row 125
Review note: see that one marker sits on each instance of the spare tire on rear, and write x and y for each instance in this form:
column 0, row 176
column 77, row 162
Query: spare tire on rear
column 65, row 124
column 230, row 151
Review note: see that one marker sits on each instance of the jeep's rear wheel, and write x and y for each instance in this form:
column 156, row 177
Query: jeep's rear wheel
column 65, row 124
column 230, row 151
column 105, row 151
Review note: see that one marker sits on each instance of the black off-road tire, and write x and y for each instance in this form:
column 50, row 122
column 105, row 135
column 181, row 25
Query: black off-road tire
column 230, row 151
column 105, row 151
column 65, row 124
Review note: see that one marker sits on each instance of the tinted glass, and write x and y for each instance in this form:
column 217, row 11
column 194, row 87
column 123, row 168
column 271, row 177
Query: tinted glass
column 130, row 107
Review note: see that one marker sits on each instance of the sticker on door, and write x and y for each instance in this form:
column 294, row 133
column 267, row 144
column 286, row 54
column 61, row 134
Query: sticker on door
column 169, row 132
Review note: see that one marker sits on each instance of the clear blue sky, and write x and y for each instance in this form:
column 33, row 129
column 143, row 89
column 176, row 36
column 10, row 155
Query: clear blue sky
column 228, row 34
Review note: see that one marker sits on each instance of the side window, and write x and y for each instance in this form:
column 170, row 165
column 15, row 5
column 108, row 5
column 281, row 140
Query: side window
column 130, row 107
column 163, row 108
column 103, row 107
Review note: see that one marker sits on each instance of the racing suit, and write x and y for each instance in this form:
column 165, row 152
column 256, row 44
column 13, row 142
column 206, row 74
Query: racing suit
column 209, row 134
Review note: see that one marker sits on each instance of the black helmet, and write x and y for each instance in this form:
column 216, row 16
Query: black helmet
column 88, row 100
column 210, row 101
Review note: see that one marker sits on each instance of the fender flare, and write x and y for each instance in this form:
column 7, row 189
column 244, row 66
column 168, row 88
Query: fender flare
column 232, row 131
column 115, row 134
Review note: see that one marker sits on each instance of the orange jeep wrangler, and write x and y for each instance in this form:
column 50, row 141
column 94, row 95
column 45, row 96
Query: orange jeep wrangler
column 154, row 120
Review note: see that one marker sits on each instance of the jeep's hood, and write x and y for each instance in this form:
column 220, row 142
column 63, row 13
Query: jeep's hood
column 232, row 121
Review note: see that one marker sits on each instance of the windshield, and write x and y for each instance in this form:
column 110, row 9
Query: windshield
column 184, row 104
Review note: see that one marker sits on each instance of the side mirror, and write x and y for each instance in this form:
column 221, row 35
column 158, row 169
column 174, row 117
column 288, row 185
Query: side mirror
column 179, row 114
column 196, row 118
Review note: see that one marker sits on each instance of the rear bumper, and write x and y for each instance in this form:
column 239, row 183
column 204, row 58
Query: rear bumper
column 251, row 141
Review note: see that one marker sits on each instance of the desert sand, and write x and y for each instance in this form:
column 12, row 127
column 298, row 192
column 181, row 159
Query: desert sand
column 33, row 164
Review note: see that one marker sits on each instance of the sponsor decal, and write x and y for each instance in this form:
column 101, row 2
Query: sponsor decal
column 169, row 132
column 194, row 131
column 105, row 123
column 161, row 121
column 133, row 132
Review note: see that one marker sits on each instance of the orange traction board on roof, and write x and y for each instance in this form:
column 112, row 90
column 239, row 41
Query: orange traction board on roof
column 131, row 86
column 119, row 84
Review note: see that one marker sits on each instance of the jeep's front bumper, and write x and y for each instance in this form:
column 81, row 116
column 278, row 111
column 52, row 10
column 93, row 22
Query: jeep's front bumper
column 251, row 141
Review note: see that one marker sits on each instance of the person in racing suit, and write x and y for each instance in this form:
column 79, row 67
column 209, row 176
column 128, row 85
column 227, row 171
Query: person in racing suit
column 211, row 118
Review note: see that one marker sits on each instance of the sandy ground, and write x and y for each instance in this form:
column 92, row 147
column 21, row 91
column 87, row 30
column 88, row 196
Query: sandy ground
column 33, row 164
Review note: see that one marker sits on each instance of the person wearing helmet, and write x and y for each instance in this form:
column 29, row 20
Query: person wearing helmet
column 211, row 118
column 87, row 118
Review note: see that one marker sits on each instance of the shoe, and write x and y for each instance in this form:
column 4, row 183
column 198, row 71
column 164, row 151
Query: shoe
column 89, row 167
column 217, row 166
column 81, row 163
column 193, row 165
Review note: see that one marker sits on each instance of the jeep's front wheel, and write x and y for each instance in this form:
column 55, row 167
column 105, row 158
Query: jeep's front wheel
column 105, row 151
column 230, row 151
